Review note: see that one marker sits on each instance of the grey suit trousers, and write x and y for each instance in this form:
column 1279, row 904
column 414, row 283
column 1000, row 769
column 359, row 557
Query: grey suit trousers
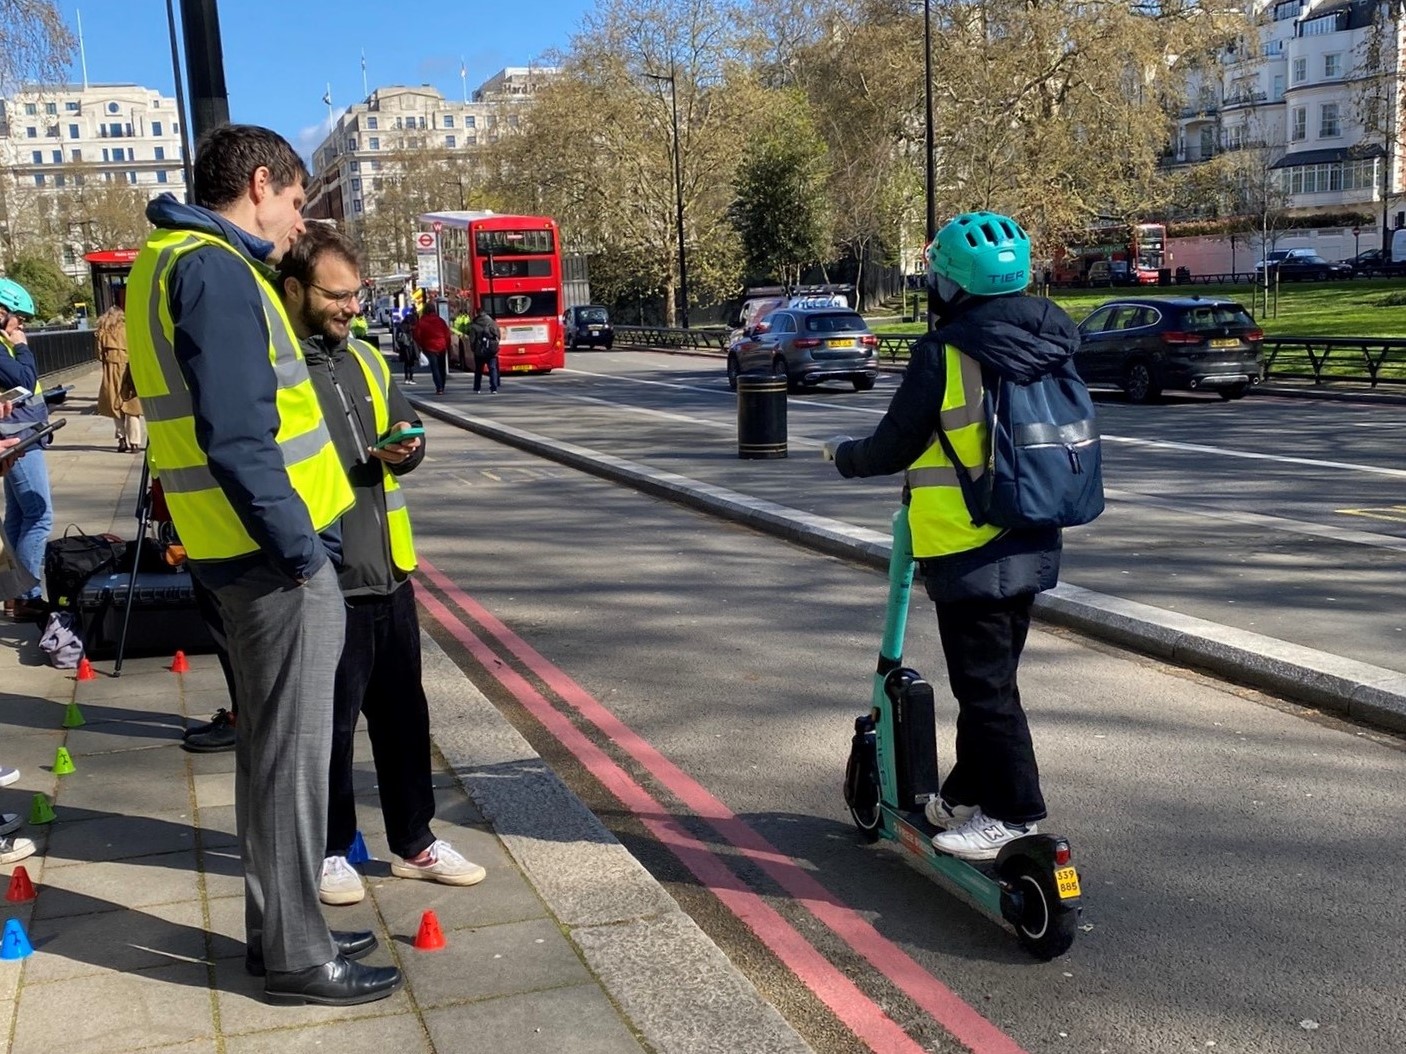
column 285, row 641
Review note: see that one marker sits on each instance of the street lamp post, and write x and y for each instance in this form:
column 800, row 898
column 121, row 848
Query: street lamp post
column 205, row 65
column 678, row 188
column 928, row 147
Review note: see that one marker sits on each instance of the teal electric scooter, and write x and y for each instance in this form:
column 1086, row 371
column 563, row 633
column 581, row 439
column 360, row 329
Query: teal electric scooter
column 893, row 771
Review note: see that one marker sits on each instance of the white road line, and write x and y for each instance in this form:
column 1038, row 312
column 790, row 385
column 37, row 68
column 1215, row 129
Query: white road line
column 1159, row 444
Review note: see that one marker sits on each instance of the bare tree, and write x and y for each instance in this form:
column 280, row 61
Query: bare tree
column 35, row 44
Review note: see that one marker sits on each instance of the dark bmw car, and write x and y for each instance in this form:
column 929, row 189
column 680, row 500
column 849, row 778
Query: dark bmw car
column 1309, row 269
column 588, row 326
column 1146, row 345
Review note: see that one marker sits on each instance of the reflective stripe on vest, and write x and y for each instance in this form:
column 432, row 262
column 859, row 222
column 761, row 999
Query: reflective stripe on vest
column 38, row 387
column 209, row 526
column 378, row 382
column 937, row 512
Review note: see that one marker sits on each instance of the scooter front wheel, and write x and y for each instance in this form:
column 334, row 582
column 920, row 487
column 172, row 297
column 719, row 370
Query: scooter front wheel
column 862, row 791
column 1043, row 922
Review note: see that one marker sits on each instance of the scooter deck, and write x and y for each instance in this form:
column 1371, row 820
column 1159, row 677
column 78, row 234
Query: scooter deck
column 976, row 878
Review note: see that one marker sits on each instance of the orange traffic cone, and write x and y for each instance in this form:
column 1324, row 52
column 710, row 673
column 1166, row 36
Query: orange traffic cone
column 85, row 670
column 21, row 889
column 431, row 937
column 179, row 664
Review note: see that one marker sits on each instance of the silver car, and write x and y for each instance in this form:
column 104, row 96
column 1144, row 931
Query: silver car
column 807, row 346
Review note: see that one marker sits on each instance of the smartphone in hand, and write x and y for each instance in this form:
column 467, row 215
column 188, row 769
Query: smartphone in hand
column 413, row 432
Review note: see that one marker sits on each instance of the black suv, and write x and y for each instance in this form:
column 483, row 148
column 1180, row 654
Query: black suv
column 1147, row 344
column 588, row 326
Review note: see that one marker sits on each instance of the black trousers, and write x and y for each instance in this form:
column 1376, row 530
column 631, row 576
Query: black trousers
column 379, row 676
column 995, row 765
column 439, row 366
column 491, row 365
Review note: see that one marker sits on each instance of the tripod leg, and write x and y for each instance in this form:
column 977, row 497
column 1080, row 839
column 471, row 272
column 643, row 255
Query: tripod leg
column 143, row 518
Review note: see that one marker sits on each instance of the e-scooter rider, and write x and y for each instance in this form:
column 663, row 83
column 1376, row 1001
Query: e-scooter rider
column 982, row 580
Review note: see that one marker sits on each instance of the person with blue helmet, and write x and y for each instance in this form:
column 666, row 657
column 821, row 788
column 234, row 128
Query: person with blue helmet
column 29, row 508
column 982, row 579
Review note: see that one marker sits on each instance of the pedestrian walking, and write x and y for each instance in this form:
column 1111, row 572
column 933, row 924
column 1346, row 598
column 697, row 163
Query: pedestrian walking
column 432, row 336
column 29, row 506
column 379, row 675
column 255, row 489
column 405, row 343
column 982, row 580
column 117, row 397
column 484, row 339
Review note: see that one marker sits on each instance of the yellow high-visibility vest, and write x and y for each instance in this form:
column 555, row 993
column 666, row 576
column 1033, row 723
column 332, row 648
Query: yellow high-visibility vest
column 378, row 380
column 208, row 524
column 38, row 388
column 937, row 512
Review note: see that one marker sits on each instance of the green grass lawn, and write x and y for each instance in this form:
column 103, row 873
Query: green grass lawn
column 1357, row 308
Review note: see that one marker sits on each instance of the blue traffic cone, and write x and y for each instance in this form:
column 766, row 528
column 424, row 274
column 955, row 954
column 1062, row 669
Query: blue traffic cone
column 357, row 854
column 16, row 942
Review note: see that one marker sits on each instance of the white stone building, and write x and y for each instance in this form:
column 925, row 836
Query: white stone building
column 1299, row 92
column 350, row 166
column 53, row 139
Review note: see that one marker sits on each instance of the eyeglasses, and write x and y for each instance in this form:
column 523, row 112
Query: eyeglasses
column 350, row 297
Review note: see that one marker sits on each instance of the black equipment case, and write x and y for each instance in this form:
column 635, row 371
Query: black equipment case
column 165, row 618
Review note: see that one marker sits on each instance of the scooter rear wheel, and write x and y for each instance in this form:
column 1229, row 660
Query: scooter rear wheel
column 1044, row 924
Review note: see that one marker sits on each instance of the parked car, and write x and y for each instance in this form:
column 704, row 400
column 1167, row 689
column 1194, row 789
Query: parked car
column 1278, row 256
column 1367, row 262
column 807, row 346
column 588, row 326
column 1309, row 268
column 1146, row 345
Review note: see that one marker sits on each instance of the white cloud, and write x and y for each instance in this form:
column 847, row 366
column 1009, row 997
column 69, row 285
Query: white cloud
column 308, row 138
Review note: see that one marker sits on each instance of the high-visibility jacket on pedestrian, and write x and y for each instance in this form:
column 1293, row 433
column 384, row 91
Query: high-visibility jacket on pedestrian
column 378, row 382
column 209, row 526
column 10, row 348
column 938, row 516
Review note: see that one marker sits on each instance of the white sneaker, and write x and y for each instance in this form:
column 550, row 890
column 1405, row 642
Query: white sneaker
column 9, row 821
column 340, row 883
column 8, row 775
column 12, row 849
column 941, row 814
column 446, row 866
column 980, row 838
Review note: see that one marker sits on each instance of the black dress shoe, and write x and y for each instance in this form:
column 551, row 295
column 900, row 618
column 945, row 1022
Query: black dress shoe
column 336, row 983
column 221, row 737
column 351, row 944
column 222, row 718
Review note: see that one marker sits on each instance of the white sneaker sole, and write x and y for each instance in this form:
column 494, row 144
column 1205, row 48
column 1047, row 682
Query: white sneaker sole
column 9, row 777
column 14, row 823
column 23, row 852
column 967, row 854
column 341, row 897
column 425, row 874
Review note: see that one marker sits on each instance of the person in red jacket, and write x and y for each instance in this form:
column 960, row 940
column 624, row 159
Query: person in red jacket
column 432, row 336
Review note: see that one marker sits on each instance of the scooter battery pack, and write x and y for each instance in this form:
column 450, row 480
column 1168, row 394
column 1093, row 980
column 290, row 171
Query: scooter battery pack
column 915, row 735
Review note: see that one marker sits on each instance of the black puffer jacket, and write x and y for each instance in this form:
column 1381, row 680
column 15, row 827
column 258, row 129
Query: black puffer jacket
column 1018, row 337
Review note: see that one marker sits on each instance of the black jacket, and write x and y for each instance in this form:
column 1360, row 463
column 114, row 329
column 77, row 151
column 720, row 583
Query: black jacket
column 1018, row 337
column 221, row 344
column 484, row 336
column 366, row 568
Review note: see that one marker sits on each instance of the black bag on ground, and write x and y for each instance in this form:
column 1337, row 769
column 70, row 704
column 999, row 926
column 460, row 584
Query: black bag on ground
column 71, row 560
column 165, row 616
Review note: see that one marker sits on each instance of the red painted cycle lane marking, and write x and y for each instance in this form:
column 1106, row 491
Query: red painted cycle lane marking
column 858, row 1012
column 955, row 1015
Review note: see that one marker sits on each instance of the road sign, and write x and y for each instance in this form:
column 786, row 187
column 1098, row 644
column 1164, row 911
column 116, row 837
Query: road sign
column 425, row 242
column 438, row 226
column 427, row 267
column 1356, row 232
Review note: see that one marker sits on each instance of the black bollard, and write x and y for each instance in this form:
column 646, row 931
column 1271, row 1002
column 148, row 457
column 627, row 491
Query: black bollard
column 761, row 417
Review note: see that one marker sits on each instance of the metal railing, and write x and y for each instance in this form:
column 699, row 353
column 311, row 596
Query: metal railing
column 58, row 351
column 1352, row 360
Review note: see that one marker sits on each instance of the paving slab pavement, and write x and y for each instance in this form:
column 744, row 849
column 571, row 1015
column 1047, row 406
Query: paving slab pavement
column 569, row 944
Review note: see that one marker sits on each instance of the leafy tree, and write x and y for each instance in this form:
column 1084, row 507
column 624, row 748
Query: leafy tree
column 53, row 291
column 782, row 210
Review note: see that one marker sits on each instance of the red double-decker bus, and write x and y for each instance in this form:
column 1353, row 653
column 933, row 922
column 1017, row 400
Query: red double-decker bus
column 511, row 267
column 1112, row 254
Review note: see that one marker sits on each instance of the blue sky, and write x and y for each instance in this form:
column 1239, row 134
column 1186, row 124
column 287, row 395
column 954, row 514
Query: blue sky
column 281, row 54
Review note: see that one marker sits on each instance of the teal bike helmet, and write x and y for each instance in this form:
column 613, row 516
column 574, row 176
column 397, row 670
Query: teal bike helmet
column 15, row 298
column 980, row 253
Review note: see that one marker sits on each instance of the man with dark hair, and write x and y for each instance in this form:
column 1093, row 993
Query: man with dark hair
column 255, row 489
column 379, row 674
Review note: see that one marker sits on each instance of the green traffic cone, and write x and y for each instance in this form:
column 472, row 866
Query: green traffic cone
column 63, row 763
column 41, row 812
column 73, row 717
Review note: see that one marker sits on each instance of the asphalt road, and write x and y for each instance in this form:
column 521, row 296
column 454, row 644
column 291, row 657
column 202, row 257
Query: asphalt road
column 1237, row 855
column 1278, row 515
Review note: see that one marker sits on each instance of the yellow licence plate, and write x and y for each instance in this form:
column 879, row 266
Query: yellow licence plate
column 1067, row 879
column 521, row 369
column 840, row 343
column 1232, row 343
